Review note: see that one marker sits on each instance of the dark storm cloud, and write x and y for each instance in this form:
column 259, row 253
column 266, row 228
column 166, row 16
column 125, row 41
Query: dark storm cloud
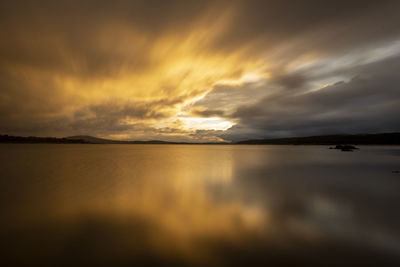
column 290, row 80
column 369, row 102
column 327, row 26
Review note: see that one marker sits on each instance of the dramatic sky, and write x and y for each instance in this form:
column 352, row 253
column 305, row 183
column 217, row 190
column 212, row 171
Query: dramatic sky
column 199, row 70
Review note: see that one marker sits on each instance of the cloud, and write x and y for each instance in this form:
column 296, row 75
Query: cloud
column 203, row 112
column 367, row 103
column 104, row 67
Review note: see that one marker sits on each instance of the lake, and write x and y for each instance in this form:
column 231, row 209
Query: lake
column 199, row 205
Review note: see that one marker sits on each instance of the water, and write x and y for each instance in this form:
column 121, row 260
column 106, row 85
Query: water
column 199, row 205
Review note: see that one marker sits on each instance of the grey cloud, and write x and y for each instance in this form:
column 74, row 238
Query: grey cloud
column 227, row 97
column 367, row 103
column 296, row 80
column 102, row 119
column 207, row 112
column 328, row 26
column 107, row 117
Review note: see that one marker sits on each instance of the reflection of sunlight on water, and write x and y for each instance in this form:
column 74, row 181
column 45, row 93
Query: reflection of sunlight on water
column 178, row 200
column 184, row 208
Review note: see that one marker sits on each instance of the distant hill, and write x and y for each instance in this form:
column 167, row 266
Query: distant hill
column 91, row 139
column 95, row 140
column 78, row 139
column 34, row 139
column 357, row 139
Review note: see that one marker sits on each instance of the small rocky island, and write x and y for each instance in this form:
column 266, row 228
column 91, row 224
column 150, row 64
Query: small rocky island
column 347, row 148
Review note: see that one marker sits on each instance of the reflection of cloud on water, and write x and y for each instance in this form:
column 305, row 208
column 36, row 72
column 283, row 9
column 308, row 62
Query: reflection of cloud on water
column 221, row 207
column 174, row 211
column 322, row 219
column 341, row 221
column 189, row 203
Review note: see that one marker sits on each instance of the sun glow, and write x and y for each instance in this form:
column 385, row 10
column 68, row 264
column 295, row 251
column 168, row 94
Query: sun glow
column 213, row 123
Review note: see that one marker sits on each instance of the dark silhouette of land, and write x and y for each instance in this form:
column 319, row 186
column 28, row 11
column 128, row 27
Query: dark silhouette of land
column 357, row 139
column 95, row 140
column 79, row 139
column 34, row 139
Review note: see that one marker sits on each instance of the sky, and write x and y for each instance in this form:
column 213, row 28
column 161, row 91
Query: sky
column 183, row 70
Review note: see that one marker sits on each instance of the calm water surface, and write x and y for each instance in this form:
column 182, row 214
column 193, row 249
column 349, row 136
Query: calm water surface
column 199, row 205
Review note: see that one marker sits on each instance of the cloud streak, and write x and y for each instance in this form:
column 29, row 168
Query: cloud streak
column 142, row 69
